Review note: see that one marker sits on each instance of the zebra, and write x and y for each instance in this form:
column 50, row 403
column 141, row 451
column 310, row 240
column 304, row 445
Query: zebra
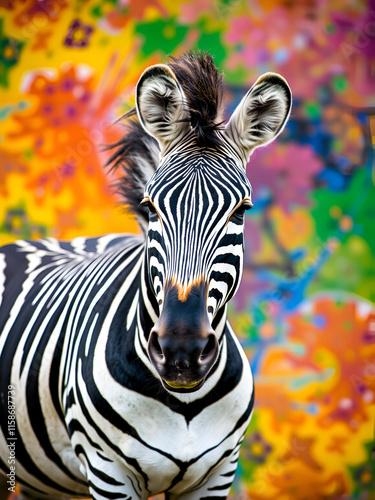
column 121, row 377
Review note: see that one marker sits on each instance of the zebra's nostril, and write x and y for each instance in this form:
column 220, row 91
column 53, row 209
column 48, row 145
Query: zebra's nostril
column 210, row 350
column 155, row 350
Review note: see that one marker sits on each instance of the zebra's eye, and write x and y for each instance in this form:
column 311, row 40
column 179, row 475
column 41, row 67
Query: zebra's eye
column 239, row 212
column 147, row 203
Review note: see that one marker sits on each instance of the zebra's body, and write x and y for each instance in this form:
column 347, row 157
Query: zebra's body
column 91, row 278
column 129, row 380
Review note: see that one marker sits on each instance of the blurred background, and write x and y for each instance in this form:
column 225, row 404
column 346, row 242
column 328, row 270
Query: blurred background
column 304, row 310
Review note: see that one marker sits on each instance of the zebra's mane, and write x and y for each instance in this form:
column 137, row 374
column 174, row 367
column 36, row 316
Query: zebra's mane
column 136, row 156
column 204, row 91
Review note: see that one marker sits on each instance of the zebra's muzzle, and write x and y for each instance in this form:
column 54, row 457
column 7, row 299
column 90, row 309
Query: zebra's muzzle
column 182, row 362
column 182, row 345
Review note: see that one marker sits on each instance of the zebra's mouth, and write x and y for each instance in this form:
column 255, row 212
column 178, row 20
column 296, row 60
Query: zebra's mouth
column 180, row 387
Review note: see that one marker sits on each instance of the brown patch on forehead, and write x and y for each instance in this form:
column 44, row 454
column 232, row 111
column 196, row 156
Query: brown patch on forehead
column 183, row 290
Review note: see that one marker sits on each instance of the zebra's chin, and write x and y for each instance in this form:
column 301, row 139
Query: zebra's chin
column 181, row 387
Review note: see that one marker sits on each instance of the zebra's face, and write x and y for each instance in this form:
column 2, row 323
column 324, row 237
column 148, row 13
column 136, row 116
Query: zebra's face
column 197, row 199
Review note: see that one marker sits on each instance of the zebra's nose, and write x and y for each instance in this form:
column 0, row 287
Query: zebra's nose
column 183, row 356
column 154, row 349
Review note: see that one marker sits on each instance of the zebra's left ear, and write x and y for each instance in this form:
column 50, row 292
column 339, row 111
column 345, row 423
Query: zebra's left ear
column 261, row 115
column 161, row 105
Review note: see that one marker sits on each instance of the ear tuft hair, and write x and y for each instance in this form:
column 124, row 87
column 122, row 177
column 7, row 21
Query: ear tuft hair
column 204, row 91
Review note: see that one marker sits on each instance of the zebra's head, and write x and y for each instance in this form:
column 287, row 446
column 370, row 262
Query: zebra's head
column 196, row 201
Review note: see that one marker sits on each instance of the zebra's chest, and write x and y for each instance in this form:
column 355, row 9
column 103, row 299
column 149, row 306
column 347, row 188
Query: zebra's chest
column 175, row 455
column 178, row 478
column 169, row 452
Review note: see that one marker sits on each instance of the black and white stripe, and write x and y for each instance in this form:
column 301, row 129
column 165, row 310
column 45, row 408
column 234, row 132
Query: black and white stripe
column 194, row 232
column 129, row 380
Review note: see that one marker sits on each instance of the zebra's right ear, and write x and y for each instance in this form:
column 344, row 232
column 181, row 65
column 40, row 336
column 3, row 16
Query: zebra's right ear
column 161, row 105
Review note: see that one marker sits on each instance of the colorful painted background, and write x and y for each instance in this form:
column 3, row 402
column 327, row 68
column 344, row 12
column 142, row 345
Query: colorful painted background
column 304, row 311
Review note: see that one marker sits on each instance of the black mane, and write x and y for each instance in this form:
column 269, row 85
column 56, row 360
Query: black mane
column 204, row 91
column 136, row 155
